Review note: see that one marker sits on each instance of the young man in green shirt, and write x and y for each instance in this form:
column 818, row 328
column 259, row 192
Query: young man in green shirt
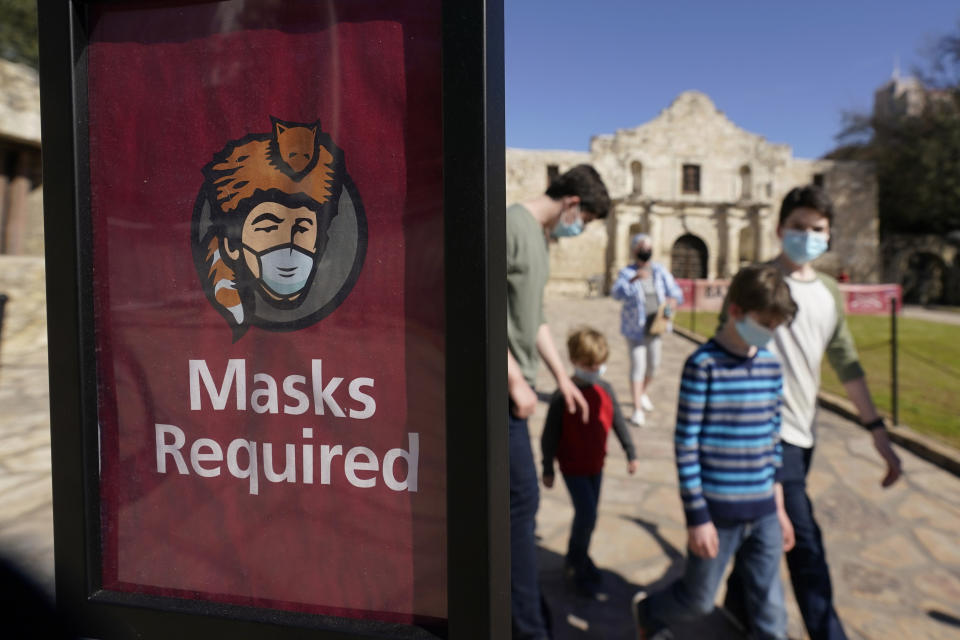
column 819, row 328
column 570, row 202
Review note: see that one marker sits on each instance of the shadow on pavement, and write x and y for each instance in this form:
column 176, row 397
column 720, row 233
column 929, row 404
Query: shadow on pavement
column 945, row 618
column 578, row 618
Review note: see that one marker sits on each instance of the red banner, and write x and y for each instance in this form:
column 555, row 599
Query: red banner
column 862, row 299
column 871, row 299
column 266, row 204
column 703, row 295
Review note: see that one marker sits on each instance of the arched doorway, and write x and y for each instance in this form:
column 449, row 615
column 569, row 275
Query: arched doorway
column 924, row 280
column 688, row 257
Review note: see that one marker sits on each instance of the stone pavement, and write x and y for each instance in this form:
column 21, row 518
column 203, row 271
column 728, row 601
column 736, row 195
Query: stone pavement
column 895, row 554
column 26, row 512
column 945, row 316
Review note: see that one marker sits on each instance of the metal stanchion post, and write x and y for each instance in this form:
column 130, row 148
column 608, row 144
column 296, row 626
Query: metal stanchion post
column 3, row 305
column 693, row 308
column 894, row 384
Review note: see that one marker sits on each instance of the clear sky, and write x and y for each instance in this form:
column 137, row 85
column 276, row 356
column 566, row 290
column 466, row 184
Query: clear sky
column 783, row 69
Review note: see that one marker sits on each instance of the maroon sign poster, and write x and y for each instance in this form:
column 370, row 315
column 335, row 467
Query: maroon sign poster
column 266, row 210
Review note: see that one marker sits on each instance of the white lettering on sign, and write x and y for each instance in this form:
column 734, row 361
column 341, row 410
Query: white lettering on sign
column 360, row 466
column 330, row 396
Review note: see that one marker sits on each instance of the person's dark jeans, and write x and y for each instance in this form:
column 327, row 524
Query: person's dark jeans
column 527, row 614
column 807, row 560
column 585, row 495
column 759, row 546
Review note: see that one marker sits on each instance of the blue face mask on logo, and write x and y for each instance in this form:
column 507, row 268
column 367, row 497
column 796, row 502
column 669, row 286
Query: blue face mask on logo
column 803, row 246
column 753, row 333
column 285, row 270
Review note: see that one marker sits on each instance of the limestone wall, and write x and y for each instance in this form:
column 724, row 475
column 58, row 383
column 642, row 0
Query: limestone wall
column 527, row 170
column 743, row 179
column 690, row 131
column 19, row 102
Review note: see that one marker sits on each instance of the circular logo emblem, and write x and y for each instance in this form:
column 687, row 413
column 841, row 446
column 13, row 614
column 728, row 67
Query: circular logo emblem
column 279, row 234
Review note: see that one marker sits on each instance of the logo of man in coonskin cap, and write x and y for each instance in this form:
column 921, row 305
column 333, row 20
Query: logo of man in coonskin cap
column 279, row 234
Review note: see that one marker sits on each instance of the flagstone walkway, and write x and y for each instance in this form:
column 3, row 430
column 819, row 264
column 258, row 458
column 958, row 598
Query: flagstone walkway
column 894, row 554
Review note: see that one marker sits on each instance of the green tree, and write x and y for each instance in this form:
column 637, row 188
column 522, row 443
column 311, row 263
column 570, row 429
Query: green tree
column 917, row 156
column 18, row 31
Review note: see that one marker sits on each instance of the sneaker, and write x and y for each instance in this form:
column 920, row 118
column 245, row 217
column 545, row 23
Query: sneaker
column 645, row 403
column 646, row 630
column 638, row 418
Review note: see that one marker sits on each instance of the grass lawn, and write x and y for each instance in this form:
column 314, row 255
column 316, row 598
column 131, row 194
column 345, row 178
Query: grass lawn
column 929, row 369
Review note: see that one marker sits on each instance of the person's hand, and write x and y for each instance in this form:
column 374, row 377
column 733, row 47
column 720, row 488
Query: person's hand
column 524, row 398
column 632, row 466
column 703, row 540
column 548, row 480
column 786, row 529
column 881, row 441
column 573, row 398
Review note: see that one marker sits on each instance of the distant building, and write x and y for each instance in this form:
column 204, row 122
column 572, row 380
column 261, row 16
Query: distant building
column 899, row 97
column 707, row 191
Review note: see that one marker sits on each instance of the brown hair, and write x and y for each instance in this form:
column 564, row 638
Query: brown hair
column 808, row 197
column 762, row 288
column 587, row 347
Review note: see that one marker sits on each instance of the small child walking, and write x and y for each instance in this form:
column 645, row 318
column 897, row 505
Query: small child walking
column 728, row 455
column 581, row 448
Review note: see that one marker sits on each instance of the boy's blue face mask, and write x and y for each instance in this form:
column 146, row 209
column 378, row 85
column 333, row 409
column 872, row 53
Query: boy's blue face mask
column 753, row 333
column 589, row 376
column 803, row 246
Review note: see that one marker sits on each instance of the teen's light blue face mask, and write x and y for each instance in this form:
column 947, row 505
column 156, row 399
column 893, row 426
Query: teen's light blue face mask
column 803, row 246
column 285, row 270
column 753, row 333
column 563, row 230
column 589, row 376
column 568, row 229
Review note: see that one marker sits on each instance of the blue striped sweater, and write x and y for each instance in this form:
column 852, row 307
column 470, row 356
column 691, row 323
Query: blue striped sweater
column 728, row 435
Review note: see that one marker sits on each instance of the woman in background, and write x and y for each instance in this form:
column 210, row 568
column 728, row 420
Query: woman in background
column 643, row 287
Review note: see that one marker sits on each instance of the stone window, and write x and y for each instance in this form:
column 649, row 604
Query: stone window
column 818, row 179
column 691, row 178
column 746, row 183
column 553, row 172
column 636, row 171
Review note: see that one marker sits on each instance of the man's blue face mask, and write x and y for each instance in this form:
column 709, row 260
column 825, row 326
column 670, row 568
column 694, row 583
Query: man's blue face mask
column 564, row 229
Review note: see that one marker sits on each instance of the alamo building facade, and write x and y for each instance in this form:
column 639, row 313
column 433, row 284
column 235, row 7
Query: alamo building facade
column 707, row 192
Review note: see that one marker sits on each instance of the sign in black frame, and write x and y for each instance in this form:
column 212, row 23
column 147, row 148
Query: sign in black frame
column 477, row 463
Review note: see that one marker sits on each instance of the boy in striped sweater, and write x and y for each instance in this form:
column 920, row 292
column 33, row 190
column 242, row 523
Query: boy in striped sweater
column 728, row 453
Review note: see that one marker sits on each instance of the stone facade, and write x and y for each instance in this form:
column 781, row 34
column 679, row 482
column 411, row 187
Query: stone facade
column 21, row 199
column 927, row 265
column 707, row 191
